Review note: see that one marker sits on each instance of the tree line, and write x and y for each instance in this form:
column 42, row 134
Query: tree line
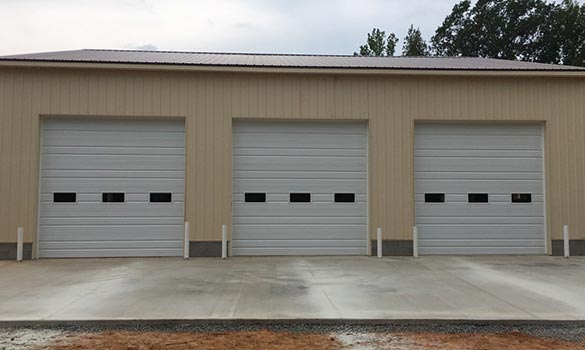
column 527, row 30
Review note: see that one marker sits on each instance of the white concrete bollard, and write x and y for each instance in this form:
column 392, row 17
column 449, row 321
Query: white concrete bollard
column 223, row 241
column 415, row 241
column 19, row 243
column 566, row 240
column 379, row 240
column 186, row 241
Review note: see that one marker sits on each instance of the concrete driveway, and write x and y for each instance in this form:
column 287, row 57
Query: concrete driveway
column 473, row 288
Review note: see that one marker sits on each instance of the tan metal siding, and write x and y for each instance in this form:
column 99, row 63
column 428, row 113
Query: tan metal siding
column 208, row 101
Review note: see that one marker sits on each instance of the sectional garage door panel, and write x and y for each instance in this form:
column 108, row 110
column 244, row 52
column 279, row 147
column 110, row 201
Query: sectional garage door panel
column 319, row 158
column 496, row 159
column 94, row 156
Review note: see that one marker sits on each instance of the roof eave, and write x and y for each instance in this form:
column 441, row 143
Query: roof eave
column 290, row 70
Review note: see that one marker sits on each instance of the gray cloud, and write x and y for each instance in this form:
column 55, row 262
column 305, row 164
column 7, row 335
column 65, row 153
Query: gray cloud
column 146, row 47
column 302, row 26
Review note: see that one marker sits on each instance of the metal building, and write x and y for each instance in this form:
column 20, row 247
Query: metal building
column 107, row 153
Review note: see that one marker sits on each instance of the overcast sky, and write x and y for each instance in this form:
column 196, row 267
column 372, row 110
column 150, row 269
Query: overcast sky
column 281, row 26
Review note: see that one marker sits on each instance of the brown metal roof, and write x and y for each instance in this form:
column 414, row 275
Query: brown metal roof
column 284, row 60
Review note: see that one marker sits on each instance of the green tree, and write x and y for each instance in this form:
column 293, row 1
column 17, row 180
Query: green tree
column 449, row 39
column 529, row 30
column 414, row 44
column 378, row 44
column 569, row 27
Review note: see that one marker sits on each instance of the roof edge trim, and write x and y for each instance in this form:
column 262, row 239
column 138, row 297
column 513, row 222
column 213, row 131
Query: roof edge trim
column 289, row 70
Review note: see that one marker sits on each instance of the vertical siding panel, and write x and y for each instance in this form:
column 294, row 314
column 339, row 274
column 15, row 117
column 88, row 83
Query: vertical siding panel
column 347, row 110
column 197, row 157
column 377, row 177
column 236, row 97
column 226, row 155
column 288, row 96
column 157, row 95
column 386, row 133
column 130, row 95
column 165, row 95
column 26, row 171
column 83, row 94
column 176, row 92
column 63, row 102
column 35, row 121
column 555, row 174
column 262, row 110
column 548, row 151
column 570, row 184
column 192, row 178
column 15, row 198
column 139, row 95
column 147, row 98
column 253, row 103
column 561, row 176
column 579, row 115
column 92, row 94
column 330, row 96
column 206, row 160
column 278, row 102
column 120, row 96
column 303, row 98
column 54, row 89
column 270, row 97
column 110, row 86
column 576, row 156
column 407, row 141
column 218, row 159
column 101, row 89
column 72, row 97
column 6, row 83
column 398, row 149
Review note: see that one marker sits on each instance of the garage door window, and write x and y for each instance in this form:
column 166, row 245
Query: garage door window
column 344, row 198
column 64, row 197
column 300, row 198
column 113, row 197
column 521, row 197
column 434, row 198
column 161, row 197
column 255, row 197
column 477, row 197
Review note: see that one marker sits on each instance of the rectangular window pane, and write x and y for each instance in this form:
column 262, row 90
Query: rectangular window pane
column 434, row 198
column 344, row 198
column 477, row 197
column 161, row 197
column 300, row 198
column 113, row 197
column 64, row 197
column 521, row 197
column 255, row 197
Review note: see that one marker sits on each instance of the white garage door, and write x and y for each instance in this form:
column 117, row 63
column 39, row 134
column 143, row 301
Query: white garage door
column 299, row 188
column 111, row 188
column 479, row 188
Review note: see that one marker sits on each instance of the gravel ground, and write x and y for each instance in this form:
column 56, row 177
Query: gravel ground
column 35, row 337
column 26, row 338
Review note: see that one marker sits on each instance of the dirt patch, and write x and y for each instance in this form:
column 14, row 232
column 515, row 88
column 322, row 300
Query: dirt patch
column 283, row 340
column 245, row 340
column 473, row 341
